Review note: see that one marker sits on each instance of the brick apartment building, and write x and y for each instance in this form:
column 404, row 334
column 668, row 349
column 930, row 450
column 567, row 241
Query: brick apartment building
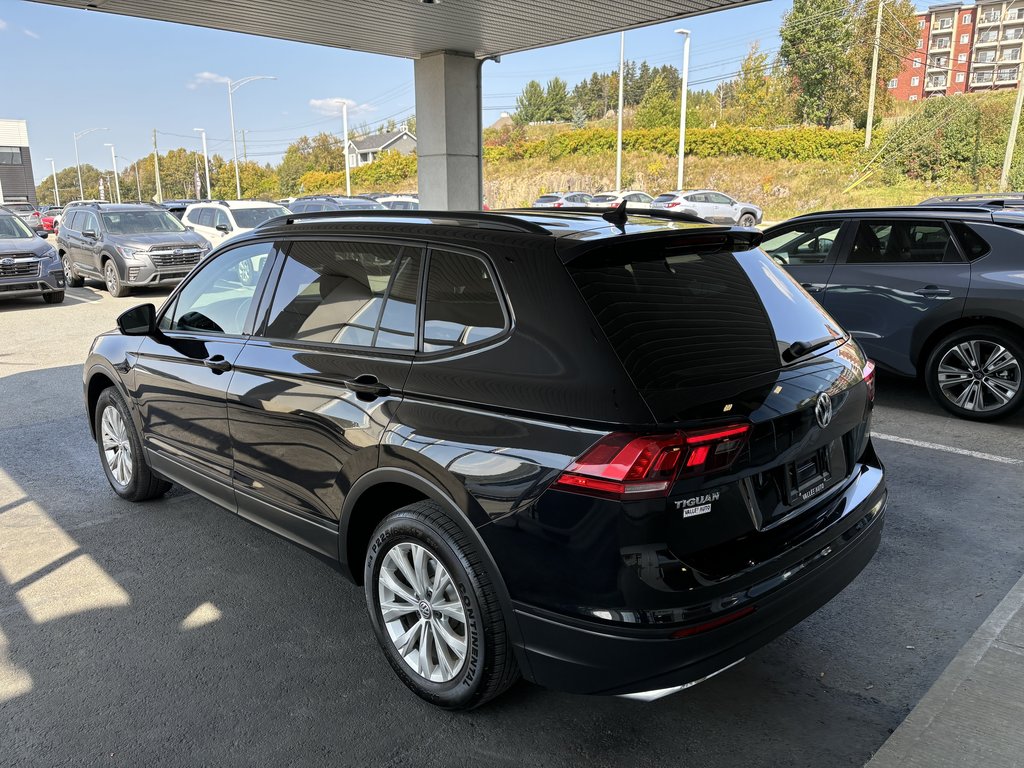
column 963, row 48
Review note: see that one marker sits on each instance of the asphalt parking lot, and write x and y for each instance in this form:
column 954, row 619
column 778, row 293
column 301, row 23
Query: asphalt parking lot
column 174, row 633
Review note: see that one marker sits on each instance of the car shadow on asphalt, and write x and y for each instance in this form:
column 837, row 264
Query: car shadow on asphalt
column 174, row 632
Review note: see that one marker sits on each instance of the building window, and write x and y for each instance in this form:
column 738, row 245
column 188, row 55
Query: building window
column 917, row 63
column 967, row 18
column 913, row 97
column 964, row 39
column 961, row 58
column 10, row 155
column 893, row 83
column 920, row 23
column 959, row 77
column 914, row 81
column 920, row 43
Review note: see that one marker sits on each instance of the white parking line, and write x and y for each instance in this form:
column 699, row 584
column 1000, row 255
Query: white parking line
column 950, row 449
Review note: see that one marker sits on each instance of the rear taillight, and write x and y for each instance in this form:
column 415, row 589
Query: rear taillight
column 629, row 466
column 671, row 205
column 869, row 379
column 559, row 204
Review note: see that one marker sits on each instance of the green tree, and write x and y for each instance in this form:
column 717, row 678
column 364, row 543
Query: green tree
column 898, row 40
column 531, row 104
column 659, row 107
column 324, row 152
column 556, row 101
column 258, row 181
column 762, row 91
column 817, row 37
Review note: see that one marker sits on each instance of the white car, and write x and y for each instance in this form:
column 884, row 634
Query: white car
column 400, row 202
column 710, row 205
column 635, row 201
column 220, row 220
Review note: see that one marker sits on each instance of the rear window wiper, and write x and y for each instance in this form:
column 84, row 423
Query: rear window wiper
column 799, row 349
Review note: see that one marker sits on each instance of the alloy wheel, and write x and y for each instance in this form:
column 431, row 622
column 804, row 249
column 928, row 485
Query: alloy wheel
column 979, row 375
column 110, row 277
column 69, row 274
column 117, row 450
column 423, row 612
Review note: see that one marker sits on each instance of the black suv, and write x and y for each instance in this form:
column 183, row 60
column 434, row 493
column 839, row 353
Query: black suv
column 610, row 459
column 126, row 245
column 934, row 291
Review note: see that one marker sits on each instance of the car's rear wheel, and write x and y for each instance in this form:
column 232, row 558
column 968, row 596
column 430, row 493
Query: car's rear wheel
column 72, row 279
column 113, row 280
column 53, row 297
column 747, row 220
column 434, row 610
column 976, row 373
column 121, row 451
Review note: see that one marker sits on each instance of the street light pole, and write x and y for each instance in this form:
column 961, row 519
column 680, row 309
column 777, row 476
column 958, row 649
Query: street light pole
column 206, row 163
column 117, row 181
column 138, row 183
column 78, row 164
column 234, row 85
column 56, row 192
column 618, row 138
column 344, row 129
column 682, row 103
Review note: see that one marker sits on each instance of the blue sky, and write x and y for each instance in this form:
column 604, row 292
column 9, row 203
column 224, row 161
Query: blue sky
column 137, row 75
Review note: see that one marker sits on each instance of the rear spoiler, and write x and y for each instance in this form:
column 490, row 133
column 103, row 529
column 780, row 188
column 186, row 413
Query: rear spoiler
column 703, row 240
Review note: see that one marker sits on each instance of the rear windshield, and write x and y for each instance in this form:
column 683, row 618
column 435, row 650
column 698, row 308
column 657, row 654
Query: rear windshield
column 678, row 318
column 664, row 198
column 604, row 198
column 548, row 198
column 19, row 207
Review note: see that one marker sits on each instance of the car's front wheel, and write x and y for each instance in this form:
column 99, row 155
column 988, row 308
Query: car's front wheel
column 113, row 280
column 121, row 451
column 975, row 373
column 434, row 610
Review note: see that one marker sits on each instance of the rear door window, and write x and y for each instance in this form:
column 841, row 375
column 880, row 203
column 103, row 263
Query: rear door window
column 902, row 242
column 677, row 317
column 462, row 305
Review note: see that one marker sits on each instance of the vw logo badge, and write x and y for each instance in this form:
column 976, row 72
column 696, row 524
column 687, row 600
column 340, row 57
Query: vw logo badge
column 823, row 410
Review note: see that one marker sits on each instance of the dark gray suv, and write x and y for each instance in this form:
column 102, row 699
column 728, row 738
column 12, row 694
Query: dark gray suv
column 929, row 291
column 29, row 266
column 126, row 245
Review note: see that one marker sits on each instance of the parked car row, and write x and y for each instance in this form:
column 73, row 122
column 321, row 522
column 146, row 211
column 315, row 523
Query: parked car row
column 704, row 203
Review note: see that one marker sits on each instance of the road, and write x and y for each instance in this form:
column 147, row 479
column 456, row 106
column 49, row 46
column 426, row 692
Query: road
column 174, row 633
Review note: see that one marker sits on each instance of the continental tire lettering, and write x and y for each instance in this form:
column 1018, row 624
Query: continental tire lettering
column 473, row 662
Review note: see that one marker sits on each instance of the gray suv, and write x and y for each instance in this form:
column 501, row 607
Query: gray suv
column 29, row 266
column 931, row 292
column 126, row 246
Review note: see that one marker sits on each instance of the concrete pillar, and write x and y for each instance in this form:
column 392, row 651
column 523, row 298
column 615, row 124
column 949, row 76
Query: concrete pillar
column 448, row 131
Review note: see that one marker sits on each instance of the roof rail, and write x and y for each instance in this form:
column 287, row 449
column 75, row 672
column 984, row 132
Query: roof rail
column 495, row 220
column 654, row 213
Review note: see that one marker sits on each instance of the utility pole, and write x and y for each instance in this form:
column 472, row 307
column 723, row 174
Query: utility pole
column 618, row 140
column 682, row 104
column 1004, row 177
column 874, row 77
column 156, row 167
column 344, row 130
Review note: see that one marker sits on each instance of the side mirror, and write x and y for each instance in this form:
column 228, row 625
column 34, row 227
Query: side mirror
column 224, row 228
column 138, row 321
column 89, row 233
column 42, row 233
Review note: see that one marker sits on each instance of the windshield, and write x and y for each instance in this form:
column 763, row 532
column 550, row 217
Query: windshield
column 13, row 228
column 140, row 222
column 249, row 218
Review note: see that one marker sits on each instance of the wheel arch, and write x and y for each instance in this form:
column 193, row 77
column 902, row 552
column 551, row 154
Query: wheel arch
column 97, row 380
column 924, row 349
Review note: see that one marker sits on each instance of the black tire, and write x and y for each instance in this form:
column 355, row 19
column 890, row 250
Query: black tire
column 747, row 220
column 143, row 484
column 53, row 297
column 985, row 336
column 112, row 280
column 489, row 667
column 70, row 277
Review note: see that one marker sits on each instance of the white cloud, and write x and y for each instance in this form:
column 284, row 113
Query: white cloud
column 206, row 77
column 331, row 107
column 32, row 34
column 3, row 24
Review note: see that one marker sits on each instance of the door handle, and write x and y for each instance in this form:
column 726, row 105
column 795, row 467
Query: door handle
column 813, row 287
column 932, row 291
column 217, row 363
column 367, row 385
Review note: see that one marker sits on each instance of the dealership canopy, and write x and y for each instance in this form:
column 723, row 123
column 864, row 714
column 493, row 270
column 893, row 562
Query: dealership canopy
column 448, row 40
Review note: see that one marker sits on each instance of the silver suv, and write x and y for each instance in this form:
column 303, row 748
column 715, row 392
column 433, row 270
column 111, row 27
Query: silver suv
column 126, row 245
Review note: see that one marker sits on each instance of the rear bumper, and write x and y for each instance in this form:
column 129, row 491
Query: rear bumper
column 587, row 657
